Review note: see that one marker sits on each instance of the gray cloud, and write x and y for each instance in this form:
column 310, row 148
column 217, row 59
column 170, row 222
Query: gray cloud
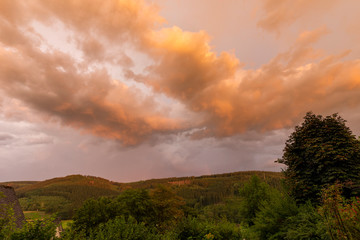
column 6, row 139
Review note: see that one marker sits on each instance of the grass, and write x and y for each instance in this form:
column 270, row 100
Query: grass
column 66, row 223
column 39, row 215
column 34, row 215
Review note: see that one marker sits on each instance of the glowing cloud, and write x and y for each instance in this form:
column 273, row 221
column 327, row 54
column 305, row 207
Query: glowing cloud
column 81, row 92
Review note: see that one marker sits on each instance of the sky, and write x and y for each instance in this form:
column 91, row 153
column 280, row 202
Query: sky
column 131, row 90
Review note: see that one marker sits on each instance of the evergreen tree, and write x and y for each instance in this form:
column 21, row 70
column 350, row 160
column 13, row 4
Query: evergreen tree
column 254, row 194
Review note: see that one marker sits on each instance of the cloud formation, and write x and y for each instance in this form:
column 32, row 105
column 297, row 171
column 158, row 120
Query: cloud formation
column 282, row 13
column 55, row 84
column 6, row 139
column 222, row 98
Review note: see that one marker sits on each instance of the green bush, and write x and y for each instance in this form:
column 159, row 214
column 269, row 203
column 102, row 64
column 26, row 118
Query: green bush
column 93, row 213
column 37, row 230
column 160, row 209
column 7, row 220
column 273, row 213
column 197, row 229
column 342, row 216
column 229, row 209
column 125, row 229
column 307, row 224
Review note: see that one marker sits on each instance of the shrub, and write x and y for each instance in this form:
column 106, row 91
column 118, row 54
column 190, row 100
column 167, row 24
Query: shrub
column 271, row 217
column 196, row 229
column 125, row 229
column 342, row 216
column 37, row 230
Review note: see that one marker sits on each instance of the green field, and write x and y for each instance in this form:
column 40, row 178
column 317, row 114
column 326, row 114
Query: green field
column 66, row 223
column 34, row 215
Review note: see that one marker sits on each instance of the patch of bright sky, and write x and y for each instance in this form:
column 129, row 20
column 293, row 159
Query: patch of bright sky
column 56, row 36
column 231, row 26
column 336, row 20
column 339, row 20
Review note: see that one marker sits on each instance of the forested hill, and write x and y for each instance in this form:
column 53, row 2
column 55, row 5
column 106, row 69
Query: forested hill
column 71, row 180
column 225, row 181
column 209, row 189
column 65, row 194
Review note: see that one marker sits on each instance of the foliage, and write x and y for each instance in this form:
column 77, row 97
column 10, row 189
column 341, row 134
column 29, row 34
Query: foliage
column 306, row 224
column 66, row 223
column 72, row 234
column 252, row 207
column 37, row 230
column 321, row 151
column 161, row 209
column 35, row 215
column 273, row 213
column 167, row 206
column 137, row 204
column 7, row 219
column 280, row 217
column 92, row 213
column 342, row 216
column 195, row 228
column 63, row 195
column 254, row 194
column 215, row 189
column 121, row 228
column 49, row 204
column 229, row 209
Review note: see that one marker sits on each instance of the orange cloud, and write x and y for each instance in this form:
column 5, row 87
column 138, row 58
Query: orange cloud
column 185, row 64
column 227, row 99
column 233, row 100
column 282, row 13
column 55, row 84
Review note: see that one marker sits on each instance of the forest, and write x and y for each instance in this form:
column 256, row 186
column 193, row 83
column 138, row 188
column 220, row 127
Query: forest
column 317, row 196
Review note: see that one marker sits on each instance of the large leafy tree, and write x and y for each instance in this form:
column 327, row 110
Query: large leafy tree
column 320, row 152
column 168, row 207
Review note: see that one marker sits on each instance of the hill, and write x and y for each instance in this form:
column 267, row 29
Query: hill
column 71, row 180
column 208, row 189
column 64, row 194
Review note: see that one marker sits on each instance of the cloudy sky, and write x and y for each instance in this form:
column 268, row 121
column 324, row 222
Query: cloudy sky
column 132, row 90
